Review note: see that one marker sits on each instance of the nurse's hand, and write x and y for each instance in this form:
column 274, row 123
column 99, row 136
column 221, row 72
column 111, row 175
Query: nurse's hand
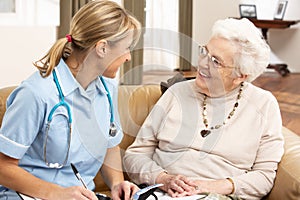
column 74, row 193
column 123, row 191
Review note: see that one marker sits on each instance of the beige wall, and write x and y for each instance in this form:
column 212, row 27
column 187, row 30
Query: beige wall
column 285, row 43
column 20, row 46
column 27, row 38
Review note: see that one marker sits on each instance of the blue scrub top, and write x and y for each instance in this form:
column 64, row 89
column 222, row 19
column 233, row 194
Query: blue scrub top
column 22, row 134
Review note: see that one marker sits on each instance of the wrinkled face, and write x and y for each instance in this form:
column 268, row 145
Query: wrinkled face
column 216, row 70
column 117, row 54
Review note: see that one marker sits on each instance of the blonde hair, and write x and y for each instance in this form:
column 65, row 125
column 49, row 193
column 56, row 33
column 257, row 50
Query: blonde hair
column 252, row 52
column 100, row 19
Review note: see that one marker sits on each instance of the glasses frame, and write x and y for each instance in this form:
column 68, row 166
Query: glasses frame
column 203, row 53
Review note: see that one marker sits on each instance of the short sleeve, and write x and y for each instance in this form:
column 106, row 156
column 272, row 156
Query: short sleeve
column 21, row 122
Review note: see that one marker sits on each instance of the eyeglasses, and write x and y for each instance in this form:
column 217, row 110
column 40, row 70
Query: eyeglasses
column 203, row 53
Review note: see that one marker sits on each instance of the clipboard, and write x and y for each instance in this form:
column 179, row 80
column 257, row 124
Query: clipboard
column 26, row 197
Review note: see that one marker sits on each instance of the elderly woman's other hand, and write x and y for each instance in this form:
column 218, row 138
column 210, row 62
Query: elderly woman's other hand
column 222, row 186
column 176, row 185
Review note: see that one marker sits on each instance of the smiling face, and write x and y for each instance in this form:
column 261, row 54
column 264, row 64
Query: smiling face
column 116, row 55
column 104, row 59
column 217, row 80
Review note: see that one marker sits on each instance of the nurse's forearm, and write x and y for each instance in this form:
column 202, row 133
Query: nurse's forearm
column 18, row 179
column 111, row 170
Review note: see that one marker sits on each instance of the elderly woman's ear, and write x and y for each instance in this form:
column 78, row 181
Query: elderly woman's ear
column 240, row 79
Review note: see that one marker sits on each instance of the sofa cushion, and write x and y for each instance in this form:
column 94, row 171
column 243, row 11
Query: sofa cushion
column 4, row 92
column 287, row 182
column 134, row 104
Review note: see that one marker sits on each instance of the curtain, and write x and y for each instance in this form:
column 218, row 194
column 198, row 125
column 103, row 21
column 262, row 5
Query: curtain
column 161, row 39
column 132, row 72
column 68, row 8
column 186, row 28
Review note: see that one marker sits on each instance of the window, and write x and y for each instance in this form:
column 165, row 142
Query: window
column 161, row 39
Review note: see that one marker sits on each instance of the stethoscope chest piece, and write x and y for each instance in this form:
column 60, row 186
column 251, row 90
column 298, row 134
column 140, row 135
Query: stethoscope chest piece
column 112, row 129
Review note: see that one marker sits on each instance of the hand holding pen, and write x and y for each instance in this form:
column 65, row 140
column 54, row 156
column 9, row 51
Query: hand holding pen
column 78, row 176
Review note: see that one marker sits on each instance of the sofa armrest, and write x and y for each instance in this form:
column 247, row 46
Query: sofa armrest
column 4, row 93
column 287, row 182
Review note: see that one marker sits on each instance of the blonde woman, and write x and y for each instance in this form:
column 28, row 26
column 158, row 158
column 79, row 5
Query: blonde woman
column 66, row 113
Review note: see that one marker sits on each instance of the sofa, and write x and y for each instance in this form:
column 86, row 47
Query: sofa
column 136, row 101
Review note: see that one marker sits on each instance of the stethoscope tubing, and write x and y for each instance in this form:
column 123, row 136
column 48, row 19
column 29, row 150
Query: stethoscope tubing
column 109, row 100
column 62, row 102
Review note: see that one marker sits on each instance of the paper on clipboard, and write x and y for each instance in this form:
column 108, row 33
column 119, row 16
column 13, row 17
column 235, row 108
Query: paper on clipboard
column 160, row 195
column 164, row 196
column 25, row 197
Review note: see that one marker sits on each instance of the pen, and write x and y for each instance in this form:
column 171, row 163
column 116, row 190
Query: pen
column 78, row 175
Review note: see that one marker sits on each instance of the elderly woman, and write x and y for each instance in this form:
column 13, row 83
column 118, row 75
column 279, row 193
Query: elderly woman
column 74, row 90
column 217, row 133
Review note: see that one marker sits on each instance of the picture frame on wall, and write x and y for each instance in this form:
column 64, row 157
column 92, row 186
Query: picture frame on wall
column 7, row 6
column 29, row 12
column 280, row 10
column 247, row 11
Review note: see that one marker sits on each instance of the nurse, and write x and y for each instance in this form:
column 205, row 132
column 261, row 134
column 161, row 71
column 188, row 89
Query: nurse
column 67, row 112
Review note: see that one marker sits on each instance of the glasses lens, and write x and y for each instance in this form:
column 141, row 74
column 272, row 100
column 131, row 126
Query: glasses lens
column 202, row 51
column 216, row 63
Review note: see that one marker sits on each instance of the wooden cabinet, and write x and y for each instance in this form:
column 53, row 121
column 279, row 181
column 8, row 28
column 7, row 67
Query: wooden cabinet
column 265, row 25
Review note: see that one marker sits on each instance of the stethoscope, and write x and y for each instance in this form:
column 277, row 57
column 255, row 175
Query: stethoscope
column 62, row 102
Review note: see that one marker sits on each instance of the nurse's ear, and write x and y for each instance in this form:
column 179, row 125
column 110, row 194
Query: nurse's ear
column 101, row 48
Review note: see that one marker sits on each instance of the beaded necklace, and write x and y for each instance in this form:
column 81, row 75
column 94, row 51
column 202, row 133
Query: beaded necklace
column 205, row 132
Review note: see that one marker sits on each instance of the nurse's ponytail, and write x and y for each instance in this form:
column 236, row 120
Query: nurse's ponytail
column 96, row 20
column 46, row 64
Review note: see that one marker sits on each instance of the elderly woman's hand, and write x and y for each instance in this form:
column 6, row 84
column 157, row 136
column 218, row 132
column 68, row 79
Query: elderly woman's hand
column 221, row 186
column 176, row 185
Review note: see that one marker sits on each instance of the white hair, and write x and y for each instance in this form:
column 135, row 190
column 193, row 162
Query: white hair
column 252, row 54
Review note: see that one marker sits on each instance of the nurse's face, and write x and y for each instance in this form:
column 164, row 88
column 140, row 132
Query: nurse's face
column 117, row 54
